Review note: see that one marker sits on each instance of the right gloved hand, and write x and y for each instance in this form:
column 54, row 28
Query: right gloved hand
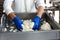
column 37, row 23
column 18, row 23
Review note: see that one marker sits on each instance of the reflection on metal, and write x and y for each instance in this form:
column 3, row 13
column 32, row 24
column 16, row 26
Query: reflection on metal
column 55, row 9
column 7, row 25
column 3, row 24
column 55, row 0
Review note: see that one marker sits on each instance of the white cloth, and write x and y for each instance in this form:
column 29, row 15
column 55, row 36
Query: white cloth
column 22, row 5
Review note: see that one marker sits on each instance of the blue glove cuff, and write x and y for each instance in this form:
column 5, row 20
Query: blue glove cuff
column 37, row 18
column 18, row 23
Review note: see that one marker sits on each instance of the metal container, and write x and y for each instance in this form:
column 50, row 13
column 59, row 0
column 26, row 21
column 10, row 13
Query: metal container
column 36, row 35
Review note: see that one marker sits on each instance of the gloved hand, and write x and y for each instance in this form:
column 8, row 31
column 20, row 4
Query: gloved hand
column 18, row 23
column 36, row 21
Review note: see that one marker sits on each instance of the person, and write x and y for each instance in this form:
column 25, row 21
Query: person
column 21, row 6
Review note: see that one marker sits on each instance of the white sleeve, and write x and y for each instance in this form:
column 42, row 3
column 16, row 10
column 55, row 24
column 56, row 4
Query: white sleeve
column 40, row 3
column 7, row 6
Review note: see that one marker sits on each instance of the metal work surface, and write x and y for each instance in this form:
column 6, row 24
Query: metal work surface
column 36, row 35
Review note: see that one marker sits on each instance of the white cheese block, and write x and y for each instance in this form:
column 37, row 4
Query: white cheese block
column 45, row 26
column 27, row 25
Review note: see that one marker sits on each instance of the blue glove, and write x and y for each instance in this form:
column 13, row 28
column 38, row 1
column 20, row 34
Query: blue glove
column 18, row 23
column 36, row 21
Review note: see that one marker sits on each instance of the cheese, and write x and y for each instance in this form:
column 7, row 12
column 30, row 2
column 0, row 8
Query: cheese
column 27, row 25
column 45, row 26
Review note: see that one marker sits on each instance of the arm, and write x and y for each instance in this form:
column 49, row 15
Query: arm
column 9, row 11
column 40, row 9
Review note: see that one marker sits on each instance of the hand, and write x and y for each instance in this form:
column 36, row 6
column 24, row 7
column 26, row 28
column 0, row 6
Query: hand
column 36, row 21
column 18, row 23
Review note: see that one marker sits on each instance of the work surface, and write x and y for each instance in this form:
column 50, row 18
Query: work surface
column 37, row 35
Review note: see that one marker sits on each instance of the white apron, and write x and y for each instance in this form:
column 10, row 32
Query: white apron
column 24, row 6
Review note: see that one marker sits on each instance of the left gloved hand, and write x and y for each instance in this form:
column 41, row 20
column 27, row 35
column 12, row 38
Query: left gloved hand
column 36, row 21
column 18, row 22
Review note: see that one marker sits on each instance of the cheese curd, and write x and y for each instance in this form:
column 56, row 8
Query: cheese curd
column 45, row 26
column 27, row 25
